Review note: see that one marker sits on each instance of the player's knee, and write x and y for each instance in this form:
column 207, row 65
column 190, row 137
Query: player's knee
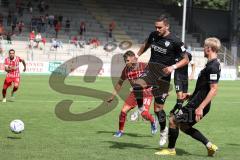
column 185, row 128
column 161, row 115
column 125, row 109
column 172, row 123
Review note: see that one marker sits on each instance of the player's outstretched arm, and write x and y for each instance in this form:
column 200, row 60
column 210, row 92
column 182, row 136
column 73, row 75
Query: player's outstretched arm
column 117, row 88
column 181, row 63
column 24, row 65
column 211, row 94
column 193, row 66
column 142, row 49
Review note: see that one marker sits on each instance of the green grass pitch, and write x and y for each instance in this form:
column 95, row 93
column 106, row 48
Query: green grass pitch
column 46, row 137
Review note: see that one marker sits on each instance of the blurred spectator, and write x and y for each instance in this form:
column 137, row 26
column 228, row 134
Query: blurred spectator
column 31, row 39
column 74, row 41
column 67, row 25
column 60, row 18
column 9, row 37
column 51, row 20
column 14, row 23
column 1, row 18
column 38, row 39
column 30, row 6
column 82, row 28
column 9, row 19
column 55, row 44
column 43, row 22
column 20, row 10
column 1, row 29
column 20, row 26
column 111, row 28
column 94, row 42
column 57, row 28
column 41, row 6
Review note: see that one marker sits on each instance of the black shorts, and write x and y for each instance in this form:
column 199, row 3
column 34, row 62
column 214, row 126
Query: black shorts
column 188, row 111
column 181, row 85
column 159, row 82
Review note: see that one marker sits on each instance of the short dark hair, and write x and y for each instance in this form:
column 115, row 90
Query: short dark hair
column 11, row 50
column 128, row 54
column 163, row 18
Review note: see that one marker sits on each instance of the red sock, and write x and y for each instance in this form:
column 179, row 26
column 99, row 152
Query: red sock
column 14, row 90
column 122, row 119
column 146, row 115
column 4, row 91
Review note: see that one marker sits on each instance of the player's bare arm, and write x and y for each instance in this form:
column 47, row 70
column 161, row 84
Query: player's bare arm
column 117, row 88
column 211, row 94
column 183, row 62
column 143, row 48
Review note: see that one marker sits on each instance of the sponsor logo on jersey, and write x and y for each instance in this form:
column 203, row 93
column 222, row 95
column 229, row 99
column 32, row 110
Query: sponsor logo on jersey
column 213, row 76
column 183, row 49
column 159, row 49
column 167, row 43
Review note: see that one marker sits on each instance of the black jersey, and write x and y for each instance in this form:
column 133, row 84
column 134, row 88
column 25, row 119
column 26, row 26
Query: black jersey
column 181, row 74
column 209, row 75
column 164, row 50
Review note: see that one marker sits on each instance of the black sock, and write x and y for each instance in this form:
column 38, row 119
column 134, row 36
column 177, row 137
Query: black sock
column 177, row 106
column 172, row 137
column 161, row 119
column 138, row 92
column 196, row 134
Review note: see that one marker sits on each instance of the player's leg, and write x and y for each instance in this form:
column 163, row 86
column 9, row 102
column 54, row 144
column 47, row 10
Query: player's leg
column 172, row 138
column 7, row 83
column 179, row 85
column 16, row 82
column 138, row 88
column 160, row 94
column 128, row 105
column 146, row 114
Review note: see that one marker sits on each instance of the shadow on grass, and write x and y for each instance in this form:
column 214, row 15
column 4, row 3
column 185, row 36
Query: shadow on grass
column 14, row 137
column 125, row 145
column 232, row 144
column 125, row 134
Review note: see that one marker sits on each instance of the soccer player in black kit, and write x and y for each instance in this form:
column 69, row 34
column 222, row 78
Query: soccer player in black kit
column 181, row 83
column 199, row 103
column 165, row 47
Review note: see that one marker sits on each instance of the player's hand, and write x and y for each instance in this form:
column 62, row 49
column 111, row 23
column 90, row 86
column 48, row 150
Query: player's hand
column 168, row 70
column 109, row 100
column 199, row 114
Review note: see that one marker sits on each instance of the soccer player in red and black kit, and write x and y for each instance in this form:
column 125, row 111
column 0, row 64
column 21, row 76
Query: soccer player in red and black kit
column 199, row 102
column 132, row 71
column 13, row 74
column 165, row 47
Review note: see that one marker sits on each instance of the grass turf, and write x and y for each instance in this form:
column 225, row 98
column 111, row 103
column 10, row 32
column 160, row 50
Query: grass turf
column 48, row 137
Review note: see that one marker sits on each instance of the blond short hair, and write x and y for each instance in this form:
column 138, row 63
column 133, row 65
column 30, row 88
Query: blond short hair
column 214, row 43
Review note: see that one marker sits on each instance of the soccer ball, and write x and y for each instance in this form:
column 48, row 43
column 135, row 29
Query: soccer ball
column 17, row 126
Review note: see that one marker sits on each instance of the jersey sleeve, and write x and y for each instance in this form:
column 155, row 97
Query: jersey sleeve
column 179, row 47
column 214, row 74
column 151, row 38
column 6, row 63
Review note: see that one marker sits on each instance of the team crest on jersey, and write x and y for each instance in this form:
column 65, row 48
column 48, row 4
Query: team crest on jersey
column 167, row 43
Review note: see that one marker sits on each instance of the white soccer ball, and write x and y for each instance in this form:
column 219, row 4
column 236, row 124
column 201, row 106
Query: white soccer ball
column 17, row 126
column 134, row 116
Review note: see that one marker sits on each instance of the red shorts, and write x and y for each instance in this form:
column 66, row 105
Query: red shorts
column 147, row 99
column 9, row 80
